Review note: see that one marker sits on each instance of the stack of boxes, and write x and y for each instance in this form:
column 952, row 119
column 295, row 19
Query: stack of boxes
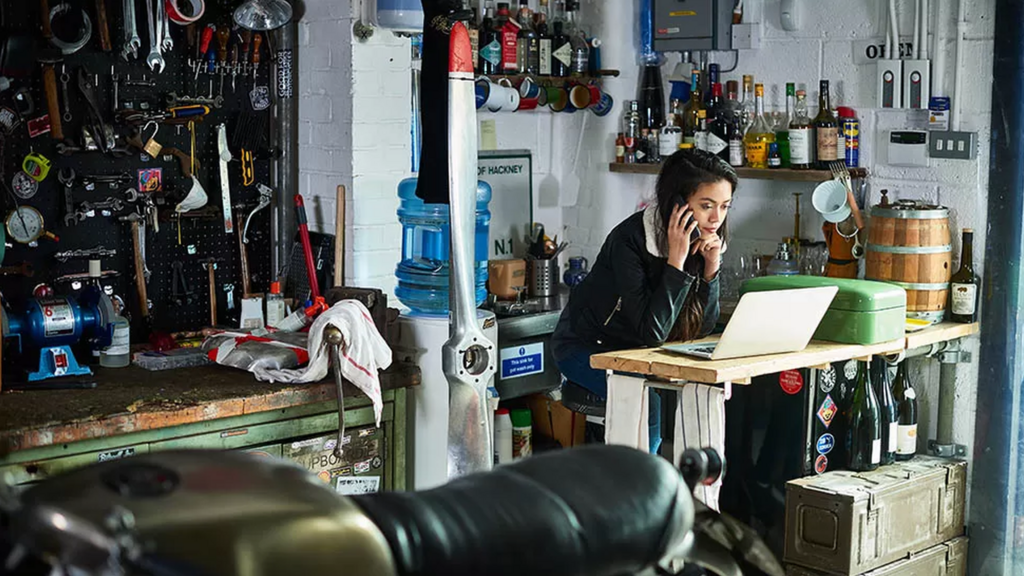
column 900, row 520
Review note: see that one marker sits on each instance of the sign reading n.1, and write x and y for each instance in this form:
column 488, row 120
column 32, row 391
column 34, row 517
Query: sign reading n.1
column 510, row 175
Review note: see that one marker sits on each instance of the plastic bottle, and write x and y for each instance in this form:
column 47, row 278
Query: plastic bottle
column 118, row 354
column 502, row 436
column 784, row 264
column 424, row 269
column 275, row 305
column 522, row 433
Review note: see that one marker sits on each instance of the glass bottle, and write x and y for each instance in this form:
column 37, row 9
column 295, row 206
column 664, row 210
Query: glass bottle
column 691, row 113
column 783, row 264
column 736, row 156
column 864, row 428
column 670, row 138
column 578, row 40
column 700, row 137
column 801, row 136
column 963, row 293
column 712, row 78
column 561, row 51
column 906, row 414
column 732, row 105
column 540, row 19
column 887, row 410
column 473, row 27
column 759, row 135
column 827, row 129
column 620, row 148
column 675, row 109
column 631, row 130
column 748, row 110
column 275, row 305
column 527, row 42
column 774, row 158
column 652, row 98
column 718, row 125
column 508, row 34
column 782, row 130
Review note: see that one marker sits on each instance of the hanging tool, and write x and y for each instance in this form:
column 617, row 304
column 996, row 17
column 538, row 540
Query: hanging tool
column 64, row 79
column 138, row 224
column 257, row 39
column 44, row 14
column 116, row 80
column 132, row 42
column 336, row 340
column 223, row 36
column 21, row 269
column 339, row 237
column 243, row 253
column 266, row 193
column 49, row 59
column 224, row 156
column 246, row 38
column 66, row 176
column 234, row 66
column 211, row 268
column 155, row 60
column 101, row 131
column 97, row 253
column 181, row 292
column 307, row 248
column 103, row 25
column 204, row 47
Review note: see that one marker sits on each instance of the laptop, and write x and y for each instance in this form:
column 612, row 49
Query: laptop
column 772, row 322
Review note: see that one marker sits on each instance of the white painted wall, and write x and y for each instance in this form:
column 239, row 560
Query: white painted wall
column 355, row 127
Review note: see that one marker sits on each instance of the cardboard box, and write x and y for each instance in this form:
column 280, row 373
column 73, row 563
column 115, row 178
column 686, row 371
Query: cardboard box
column 360, row 468
column 852, row 522
column 946, row 559
column 555, row 421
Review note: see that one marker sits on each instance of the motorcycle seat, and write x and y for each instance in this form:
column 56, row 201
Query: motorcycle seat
column 588, row 511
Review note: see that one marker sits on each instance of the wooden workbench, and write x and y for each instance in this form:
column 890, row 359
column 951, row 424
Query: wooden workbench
column 48, row 431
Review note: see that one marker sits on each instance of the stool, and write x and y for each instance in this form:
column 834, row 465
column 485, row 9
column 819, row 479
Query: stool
column 583, row 401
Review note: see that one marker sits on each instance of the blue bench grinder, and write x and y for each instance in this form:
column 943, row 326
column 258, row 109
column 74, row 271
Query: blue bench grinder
column 53, row 324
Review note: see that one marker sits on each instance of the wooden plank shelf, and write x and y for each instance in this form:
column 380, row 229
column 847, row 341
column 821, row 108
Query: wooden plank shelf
column 515, row 79
column 749, row 173
column 657, row 362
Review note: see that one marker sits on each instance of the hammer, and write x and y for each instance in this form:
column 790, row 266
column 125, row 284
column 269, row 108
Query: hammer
column 211, row 267
column 140, row 267
column 48, row 58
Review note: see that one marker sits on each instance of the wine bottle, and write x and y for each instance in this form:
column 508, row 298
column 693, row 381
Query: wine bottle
column 963, row 292
column 827, row 128
column 864, row 429
column 906, row 414
column 887, row 409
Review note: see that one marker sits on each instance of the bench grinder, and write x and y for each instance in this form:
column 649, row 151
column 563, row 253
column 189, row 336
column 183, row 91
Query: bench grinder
column 49, row 326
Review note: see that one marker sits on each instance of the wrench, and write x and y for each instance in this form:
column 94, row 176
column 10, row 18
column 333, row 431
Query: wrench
column 64, row 79
column 265, row 194
column 131, row 31
column 66, row 176
column 174, row 100
column 155, row 59
column 166, row 42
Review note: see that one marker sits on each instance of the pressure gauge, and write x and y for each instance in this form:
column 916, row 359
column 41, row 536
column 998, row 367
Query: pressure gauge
column 24, row 186
column 25, row 225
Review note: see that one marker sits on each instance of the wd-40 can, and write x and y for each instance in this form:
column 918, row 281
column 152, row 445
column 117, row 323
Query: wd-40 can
column 851, row 130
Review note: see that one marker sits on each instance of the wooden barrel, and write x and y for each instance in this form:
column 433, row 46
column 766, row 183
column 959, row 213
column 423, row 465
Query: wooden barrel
column 909, row 245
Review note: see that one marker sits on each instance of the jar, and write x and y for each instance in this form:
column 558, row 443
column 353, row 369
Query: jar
column 576, row 272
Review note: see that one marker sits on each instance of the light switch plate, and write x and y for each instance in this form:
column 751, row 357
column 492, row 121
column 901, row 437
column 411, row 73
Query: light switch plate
column 746, row 36
column 953, row 145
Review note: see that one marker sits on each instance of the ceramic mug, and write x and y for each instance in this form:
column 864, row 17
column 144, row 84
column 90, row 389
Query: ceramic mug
column 528, row 88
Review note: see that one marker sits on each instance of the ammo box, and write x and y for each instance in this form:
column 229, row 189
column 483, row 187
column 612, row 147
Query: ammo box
column 946, row 559
column 848, row 523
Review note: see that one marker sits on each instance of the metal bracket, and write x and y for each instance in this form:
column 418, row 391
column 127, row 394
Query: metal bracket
column 947, row 450
column 954, row 357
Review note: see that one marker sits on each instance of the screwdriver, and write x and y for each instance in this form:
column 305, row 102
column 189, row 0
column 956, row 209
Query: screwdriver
column 257, row 39
column 246, row 37
column 234, row 66
column 223, row 35
column 204, row 46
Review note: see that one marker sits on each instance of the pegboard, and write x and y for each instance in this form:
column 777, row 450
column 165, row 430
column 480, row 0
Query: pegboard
column 200, row 238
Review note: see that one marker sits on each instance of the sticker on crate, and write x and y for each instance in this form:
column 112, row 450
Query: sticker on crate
column 355, row 485
column 791, row 381
column 827, row 411
column 827, row 379
column 820, row 464
column 826, row 442
column 363, row 450
column 519, row 361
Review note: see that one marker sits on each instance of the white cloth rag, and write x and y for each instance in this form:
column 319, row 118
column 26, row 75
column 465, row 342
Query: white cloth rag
column 363, row 354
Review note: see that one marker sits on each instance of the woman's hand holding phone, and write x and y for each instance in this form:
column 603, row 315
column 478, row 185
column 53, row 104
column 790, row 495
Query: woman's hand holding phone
column 681, row 226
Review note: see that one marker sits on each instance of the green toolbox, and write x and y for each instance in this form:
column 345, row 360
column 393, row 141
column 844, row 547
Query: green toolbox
column 863, row 312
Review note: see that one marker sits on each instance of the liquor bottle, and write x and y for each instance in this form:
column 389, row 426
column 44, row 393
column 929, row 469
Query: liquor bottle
column 490, row 44
column 473, row 28
column 801, row 136
column 774, row 158
column 540, row 18
column 736, row 152
column 691, row 112
column 578, row 40
column 864, row 429
column 527, row 42
column 631, row 130
column 652, row 98
column 675, row 109
column 782, row 130
column 718, row 125
column 641, row 146
column 653, row 152
column 670, row 138
column 700, row 137
column 759, row 135
column 886, row 408
column 748, row 110
column 561, row 51
column 620, row 148
column 712, row 79
column 509, row 32
column 906, row 414
column 827, row 128
column 963, row 293
column 732, row 105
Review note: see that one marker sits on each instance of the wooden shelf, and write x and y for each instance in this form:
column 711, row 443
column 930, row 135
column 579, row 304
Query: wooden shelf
column 515, row 79
column 749, row 173
column 657, row 362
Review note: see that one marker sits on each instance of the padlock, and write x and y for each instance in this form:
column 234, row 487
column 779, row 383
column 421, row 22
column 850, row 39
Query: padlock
column 36, row 165
column 152, row 147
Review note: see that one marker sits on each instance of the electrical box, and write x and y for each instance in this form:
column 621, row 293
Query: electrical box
column 689, row 25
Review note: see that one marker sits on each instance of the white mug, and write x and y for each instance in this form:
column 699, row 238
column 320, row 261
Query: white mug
column 502, row 96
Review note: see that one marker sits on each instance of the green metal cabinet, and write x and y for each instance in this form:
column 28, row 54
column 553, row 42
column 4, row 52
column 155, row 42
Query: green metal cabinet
column 269, row 433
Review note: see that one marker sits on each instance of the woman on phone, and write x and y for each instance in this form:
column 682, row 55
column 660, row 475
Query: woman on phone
column 656, row 277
